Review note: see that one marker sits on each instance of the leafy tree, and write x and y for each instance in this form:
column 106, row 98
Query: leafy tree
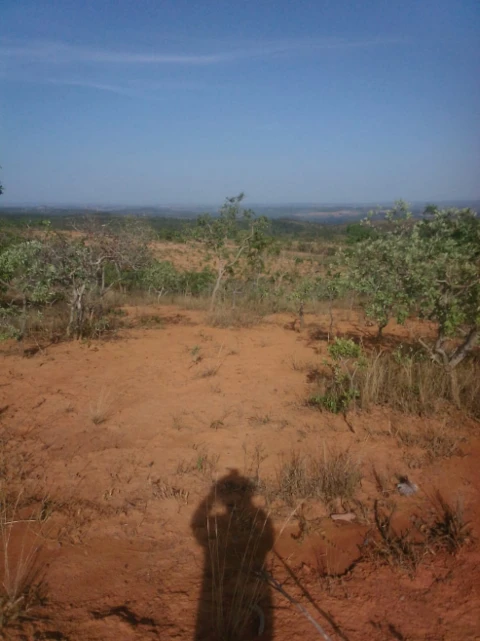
column 195, row 283
column 45, row 269
column 304, row 291
column 446, row 274
column 54, row 266
column 330, row 288
column 235, row 236
column 162, row 278
column 372, row 267
column 356, row 232
column 25, row 272
column 118, row 248
column 428, row 267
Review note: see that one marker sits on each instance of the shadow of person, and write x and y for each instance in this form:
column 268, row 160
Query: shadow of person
column 235, row 602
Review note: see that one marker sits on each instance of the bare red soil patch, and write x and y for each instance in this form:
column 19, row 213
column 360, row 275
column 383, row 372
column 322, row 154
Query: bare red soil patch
column 130, row 434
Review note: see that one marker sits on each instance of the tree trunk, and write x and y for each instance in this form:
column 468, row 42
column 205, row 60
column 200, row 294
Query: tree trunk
column 301, row 316
column 453, row 360
column 75, row 325
column 23, row 318
column 220, row 275
column 330, row 313
column 454, row 386
column 464, row 348
column 380, row 330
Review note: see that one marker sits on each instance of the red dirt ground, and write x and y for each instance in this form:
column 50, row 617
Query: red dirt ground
column 184, row 404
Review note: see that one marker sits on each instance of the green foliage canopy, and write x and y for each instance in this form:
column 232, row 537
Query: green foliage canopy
column 429, row 268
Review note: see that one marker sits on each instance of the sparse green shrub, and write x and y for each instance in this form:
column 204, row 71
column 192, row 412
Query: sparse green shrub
column 429, row 268
column 236, row 238
column 334, row 401
column 162, row 278
column 344, row 348
column 340, row 383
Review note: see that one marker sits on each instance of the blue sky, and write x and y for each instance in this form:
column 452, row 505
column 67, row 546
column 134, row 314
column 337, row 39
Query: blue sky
column 176, row 101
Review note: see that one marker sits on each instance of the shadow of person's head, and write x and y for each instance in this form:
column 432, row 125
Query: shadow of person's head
column 232, row 487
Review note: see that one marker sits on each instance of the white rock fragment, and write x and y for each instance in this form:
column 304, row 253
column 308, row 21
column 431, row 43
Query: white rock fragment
column 347, row 516
column 406, row 487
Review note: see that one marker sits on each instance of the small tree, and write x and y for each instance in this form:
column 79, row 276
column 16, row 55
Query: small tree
column 236, row 235
column 428, row 267
column 300, row 295
column 330, row 288
column 162, row 278
column 375, row 268
column 119, row 249
column 445, row 272
column 27, row 276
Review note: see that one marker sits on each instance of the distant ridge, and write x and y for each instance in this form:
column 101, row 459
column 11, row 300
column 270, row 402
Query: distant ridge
column 310, row 212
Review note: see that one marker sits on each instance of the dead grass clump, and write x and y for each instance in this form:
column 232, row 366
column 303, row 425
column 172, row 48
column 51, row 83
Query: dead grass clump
column 162, row 489
column 382, row 481
column 150, row 321
column 449, row 530
column 101, row 410
column 211, row 370
column 438, row 443
column 328, row 477
column 22, row 518
column 416, row 385
column 436, row 440
column 204, row 463
column 49, row 325
column 298, row 365
column 22, row 587
column 387, row 546
column 245, row 316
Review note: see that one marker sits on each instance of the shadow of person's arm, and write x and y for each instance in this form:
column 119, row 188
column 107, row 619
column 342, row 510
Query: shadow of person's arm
column 199, row 519
column 268, row 533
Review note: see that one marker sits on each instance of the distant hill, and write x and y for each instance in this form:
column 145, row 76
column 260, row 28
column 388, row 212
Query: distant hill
column 319, row 213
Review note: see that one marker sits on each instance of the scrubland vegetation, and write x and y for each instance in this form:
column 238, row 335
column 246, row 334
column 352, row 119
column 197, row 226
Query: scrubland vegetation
column 78, row 285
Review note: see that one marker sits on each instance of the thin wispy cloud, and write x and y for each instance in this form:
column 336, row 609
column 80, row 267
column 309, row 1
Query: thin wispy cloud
column 123, row 91
column 131, row 89
column 62, row 64
column 62, row 53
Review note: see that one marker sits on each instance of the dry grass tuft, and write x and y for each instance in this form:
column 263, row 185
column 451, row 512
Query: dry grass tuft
column 101, row 410
column 237, row 583
column 330, row 476
column 387, row 546
column 244, row 316
column 449, row 530
column 150, row 321
column 163, row 489
column 203, row 462
column 436, row 440
column 22, row 518
column 414, row 384
column 382, row 481
column 239, row 536
column 211, row 370
column 20, row 535
column 297, row 365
